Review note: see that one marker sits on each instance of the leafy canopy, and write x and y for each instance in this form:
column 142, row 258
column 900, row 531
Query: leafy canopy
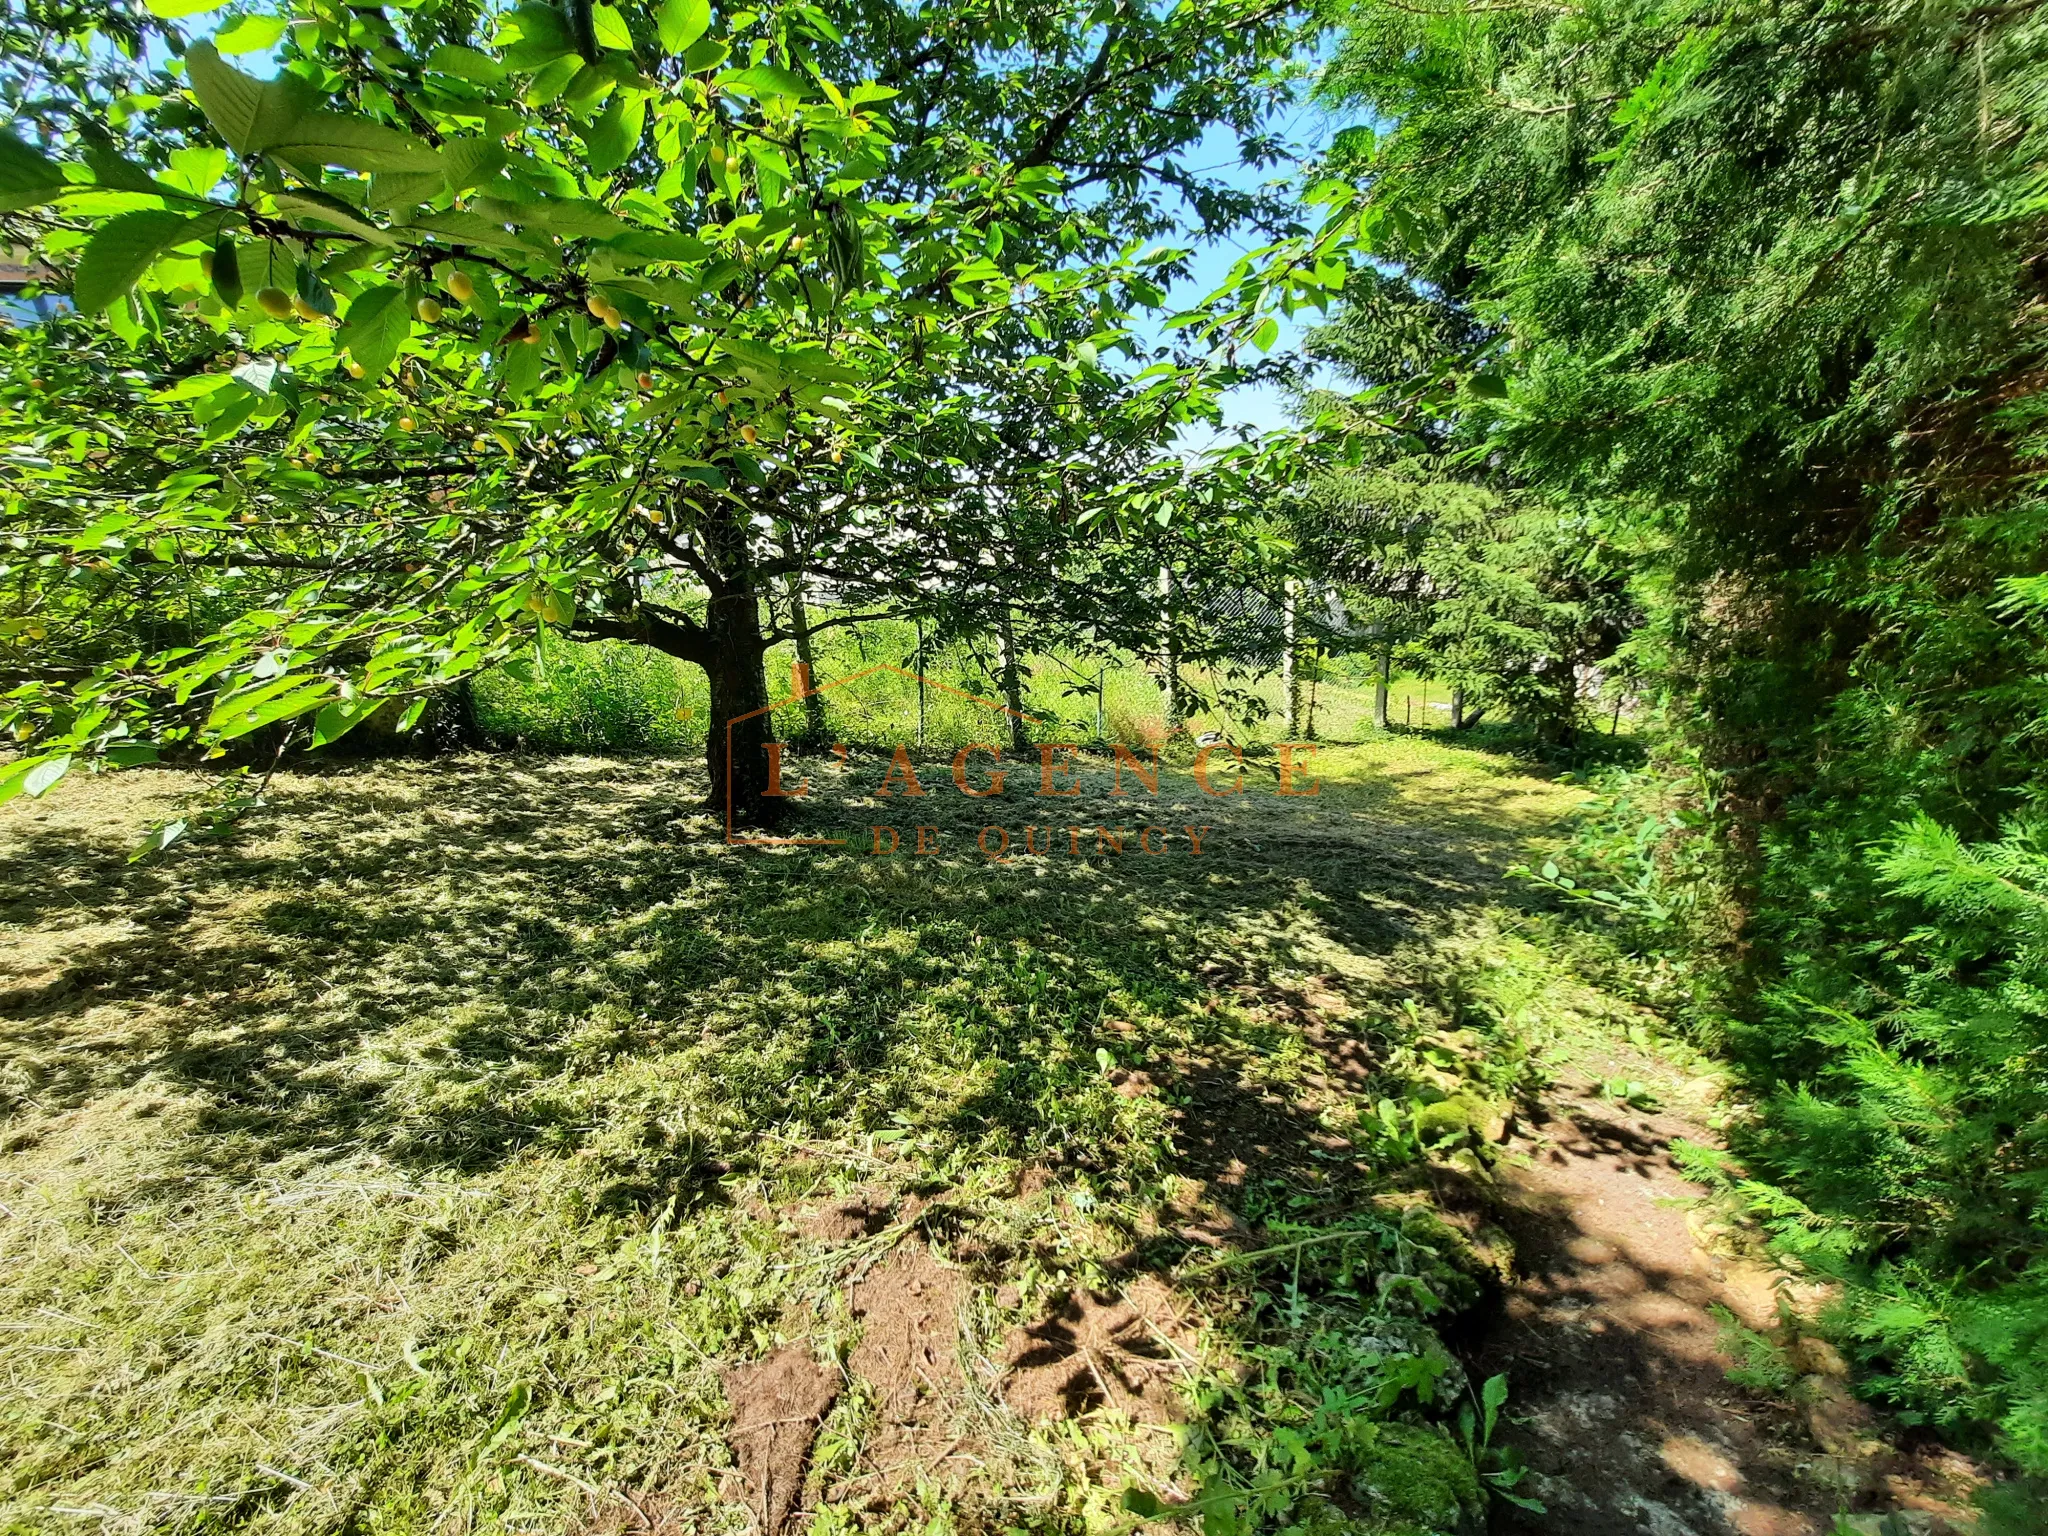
column 461, row 323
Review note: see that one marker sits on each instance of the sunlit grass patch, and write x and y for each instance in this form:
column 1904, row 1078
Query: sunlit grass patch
column 423, row 1155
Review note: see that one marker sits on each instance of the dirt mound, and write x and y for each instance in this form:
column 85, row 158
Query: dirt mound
column 909, row 1350
column 909, row 1355
column 1092, row 1352
column 862, row 1213
column 776, row 1405
column 842, row 1221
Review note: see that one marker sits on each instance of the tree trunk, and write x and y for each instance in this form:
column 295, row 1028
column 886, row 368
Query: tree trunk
column 736, row 742
column 733, row 651
column 1169, row 650
column 729, row 646
column 1559, row 727
column 1379, row 689
column 816, row 732
column 1012, row 680
column 1290, row 673
column 1457, row 709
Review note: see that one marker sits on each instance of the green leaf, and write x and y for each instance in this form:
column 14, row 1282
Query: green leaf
column 645, row 245
column 822, row 22
column 462, row 227
column 571, row 218
column 306, row 203
column 250, row 114
column 123, row 249
column 337, row 720
column 587, row 89
column 1491, row 1396
column 1489, row 386
column 320, row 139
column 404, row 189
column 241, row 713
column 682, row 22
column 705, row 53
column 542, row 35
column 468, row 162
column 772, row 366
column 610, row 28
column 765, row 81
column 250, row 34
column 42, row 778
column 171, row 10
column 1143, row 1503
column 1268, row 333
column 33, row 775
column 466, row 64
column 375, row 327
column 132, row 756
column 551, row 79
column 27, row 176
column 611, row 140
column 516, row 1403
column 110, row 168
column 519, row 367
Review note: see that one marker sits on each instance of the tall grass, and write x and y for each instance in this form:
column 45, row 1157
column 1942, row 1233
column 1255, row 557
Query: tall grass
column 610, row 697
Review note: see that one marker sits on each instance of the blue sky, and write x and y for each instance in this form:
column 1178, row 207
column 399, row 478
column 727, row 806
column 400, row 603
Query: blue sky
column 1260, row 407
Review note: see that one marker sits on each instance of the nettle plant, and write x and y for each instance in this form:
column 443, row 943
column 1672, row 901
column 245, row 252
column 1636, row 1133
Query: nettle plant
column 620, row 321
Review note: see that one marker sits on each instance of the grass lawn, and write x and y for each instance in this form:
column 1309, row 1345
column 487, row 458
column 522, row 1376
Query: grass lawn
column 480, row 1145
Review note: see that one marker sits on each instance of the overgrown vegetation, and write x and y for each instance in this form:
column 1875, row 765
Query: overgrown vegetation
column 1756, row 291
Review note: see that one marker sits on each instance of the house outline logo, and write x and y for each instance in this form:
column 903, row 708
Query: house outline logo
column 801, row 674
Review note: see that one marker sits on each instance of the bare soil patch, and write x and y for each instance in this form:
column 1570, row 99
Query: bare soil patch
column 909, row 1355
column 863, row 1213
column 777, row 1403
column 1092, row 1351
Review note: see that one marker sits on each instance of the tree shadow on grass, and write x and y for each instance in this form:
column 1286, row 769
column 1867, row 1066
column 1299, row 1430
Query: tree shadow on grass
column 447, row 963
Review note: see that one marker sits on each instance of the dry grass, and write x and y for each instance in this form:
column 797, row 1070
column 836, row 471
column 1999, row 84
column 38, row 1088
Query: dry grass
column 417, row 1157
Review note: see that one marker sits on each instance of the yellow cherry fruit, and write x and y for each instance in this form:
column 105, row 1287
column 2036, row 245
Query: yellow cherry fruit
column 355, row 369
column 428, row 310
column 460, row 285
column 644, row 380
column 304, row 310
column 749, row 434
column 274, row 302
column 596, row 305
column 406, row 423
